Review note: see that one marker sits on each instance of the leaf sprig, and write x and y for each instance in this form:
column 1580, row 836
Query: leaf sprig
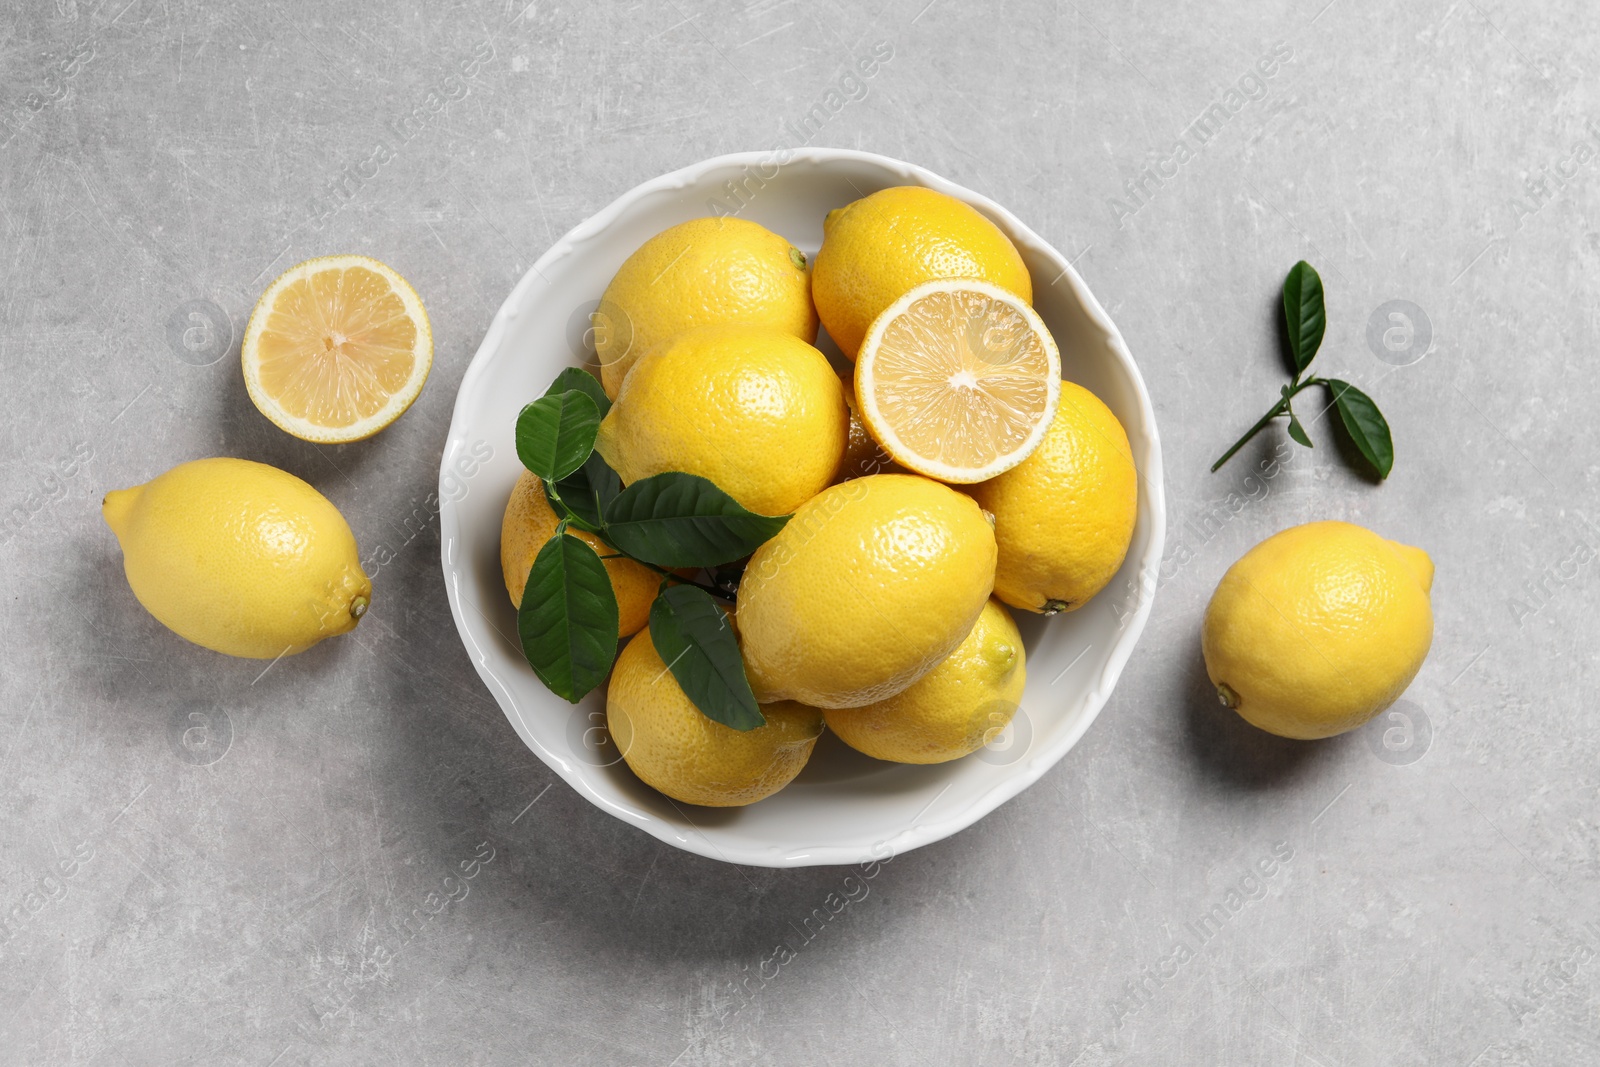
column 1305, row 314
column 670, row 522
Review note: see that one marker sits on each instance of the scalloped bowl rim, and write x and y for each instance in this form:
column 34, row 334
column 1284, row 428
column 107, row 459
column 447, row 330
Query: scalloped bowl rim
column 1152, row 514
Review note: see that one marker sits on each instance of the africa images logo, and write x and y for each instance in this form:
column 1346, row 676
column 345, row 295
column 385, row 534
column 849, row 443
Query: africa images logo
column 454, row 86
column 1193, row 936
column 1187, row 146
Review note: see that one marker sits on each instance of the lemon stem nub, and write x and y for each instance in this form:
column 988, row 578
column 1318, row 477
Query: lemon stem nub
column 1055, row 607
column 797, row 257
column 358, row 607
column 1227, row 696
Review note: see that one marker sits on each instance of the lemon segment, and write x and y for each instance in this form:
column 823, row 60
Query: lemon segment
column 336, row 349
column 958, row 380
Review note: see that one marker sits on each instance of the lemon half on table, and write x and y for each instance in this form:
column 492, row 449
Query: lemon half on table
column 958, row 380
column 336, row 349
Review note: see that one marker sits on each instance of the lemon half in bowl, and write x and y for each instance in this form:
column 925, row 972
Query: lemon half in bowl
column 958, row 380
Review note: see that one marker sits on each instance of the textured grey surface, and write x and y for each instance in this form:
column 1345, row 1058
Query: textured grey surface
column 165, row 905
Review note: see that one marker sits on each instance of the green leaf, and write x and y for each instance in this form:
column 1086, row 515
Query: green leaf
column 695, row 641
column 555, row 433
column 576, row 378
column 1298, row 432
column 683, row 520
column 588, row 491
column 568, row 617
column 1365, row 424
column 1304, row 313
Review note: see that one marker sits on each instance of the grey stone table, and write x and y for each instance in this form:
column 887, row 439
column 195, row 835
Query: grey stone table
column 204, row 862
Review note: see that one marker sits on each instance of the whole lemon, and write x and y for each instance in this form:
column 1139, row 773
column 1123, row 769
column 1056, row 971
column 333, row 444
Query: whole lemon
column 757, row 411
column 1063, row 517
column 1318, row 628
column 869, row 586
column 239, row 557
column 529, row 523
column 700, row 273
column 673, row 747
column 882, row 246
column 956, row 708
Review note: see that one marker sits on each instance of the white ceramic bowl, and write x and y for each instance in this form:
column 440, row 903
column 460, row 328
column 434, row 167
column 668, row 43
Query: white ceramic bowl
column 844, row 808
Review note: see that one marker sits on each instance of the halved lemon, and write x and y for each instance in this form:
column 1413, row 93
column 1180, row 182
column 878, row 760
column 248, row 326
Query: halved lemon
column 958, row 380
column 336, row 349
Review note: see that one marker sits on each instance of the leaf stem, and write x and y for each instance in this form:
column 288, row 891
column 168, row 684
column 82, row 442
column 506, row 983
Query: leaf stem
column 719, row 594
column 557, row 505
column 1279, row 409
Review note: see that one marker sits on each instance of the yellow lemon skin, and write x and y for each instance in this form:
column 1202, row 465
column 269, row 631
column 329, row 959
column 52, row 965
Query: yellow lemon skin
column 882, row 246
column 758, row 412
column 529, row 523
column 1319, row 628
column 1063, row 517
column 869, row 586
column 862, row 455
column 954, row 709
column 239, row 557
column 674, row 748
column 703, row 272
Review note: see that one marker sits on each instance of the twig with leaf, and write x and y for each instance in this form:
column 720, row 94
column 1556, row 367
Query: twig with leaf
column 1306, row 316
column 669, row 522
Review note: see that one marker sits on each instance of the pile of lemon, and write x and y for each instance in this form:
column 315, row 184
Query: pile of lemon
column 942, row 473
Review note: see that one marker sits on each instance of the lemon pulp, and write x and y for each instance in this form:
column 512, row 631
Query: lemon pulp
column 337, row 349
column 958, row 380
